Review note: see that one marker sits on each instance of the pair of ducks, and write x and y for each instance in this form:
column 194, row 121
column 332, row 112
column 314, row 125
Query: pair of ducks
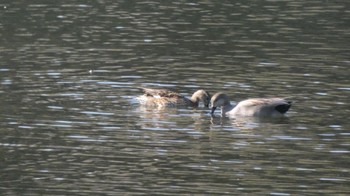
column 259, row 107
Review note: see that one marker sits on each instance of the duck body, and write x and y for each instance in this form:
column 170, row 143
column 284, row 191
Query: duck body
column 167, row 98
column 258, row 107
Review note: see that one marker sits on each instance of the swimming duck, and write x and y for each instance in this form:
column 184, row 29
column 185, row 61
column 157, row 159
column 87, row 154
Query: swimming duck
column 167, row 98
column 259, row 107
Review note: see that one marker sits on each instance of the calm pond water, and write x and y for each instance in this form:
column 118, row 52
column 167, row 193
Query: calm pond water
column 70, row 72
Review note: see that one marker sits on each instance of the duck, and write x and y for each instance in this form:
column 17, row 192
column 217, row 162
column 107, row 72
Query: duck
column 167, row 98
column 254, row 107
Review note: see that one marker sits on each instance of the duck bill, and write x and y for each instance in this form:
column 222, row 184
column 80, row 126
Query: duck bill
column 213, row 110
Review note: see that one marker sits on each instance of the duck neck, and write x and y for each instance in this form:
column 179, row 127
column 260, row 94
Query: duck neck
column 226, row 108
column 195, row 99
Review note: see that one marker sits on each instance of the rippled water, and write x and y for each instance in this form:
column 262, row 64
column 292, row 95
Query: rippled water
column 70, row 72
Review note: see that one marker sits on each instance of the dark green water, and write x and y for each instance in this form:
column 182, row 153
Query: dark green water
column 70, row 72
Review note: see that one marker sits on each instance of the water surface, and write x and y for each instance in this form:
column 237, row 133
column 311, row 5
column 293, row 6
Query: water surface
column 70, row 72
